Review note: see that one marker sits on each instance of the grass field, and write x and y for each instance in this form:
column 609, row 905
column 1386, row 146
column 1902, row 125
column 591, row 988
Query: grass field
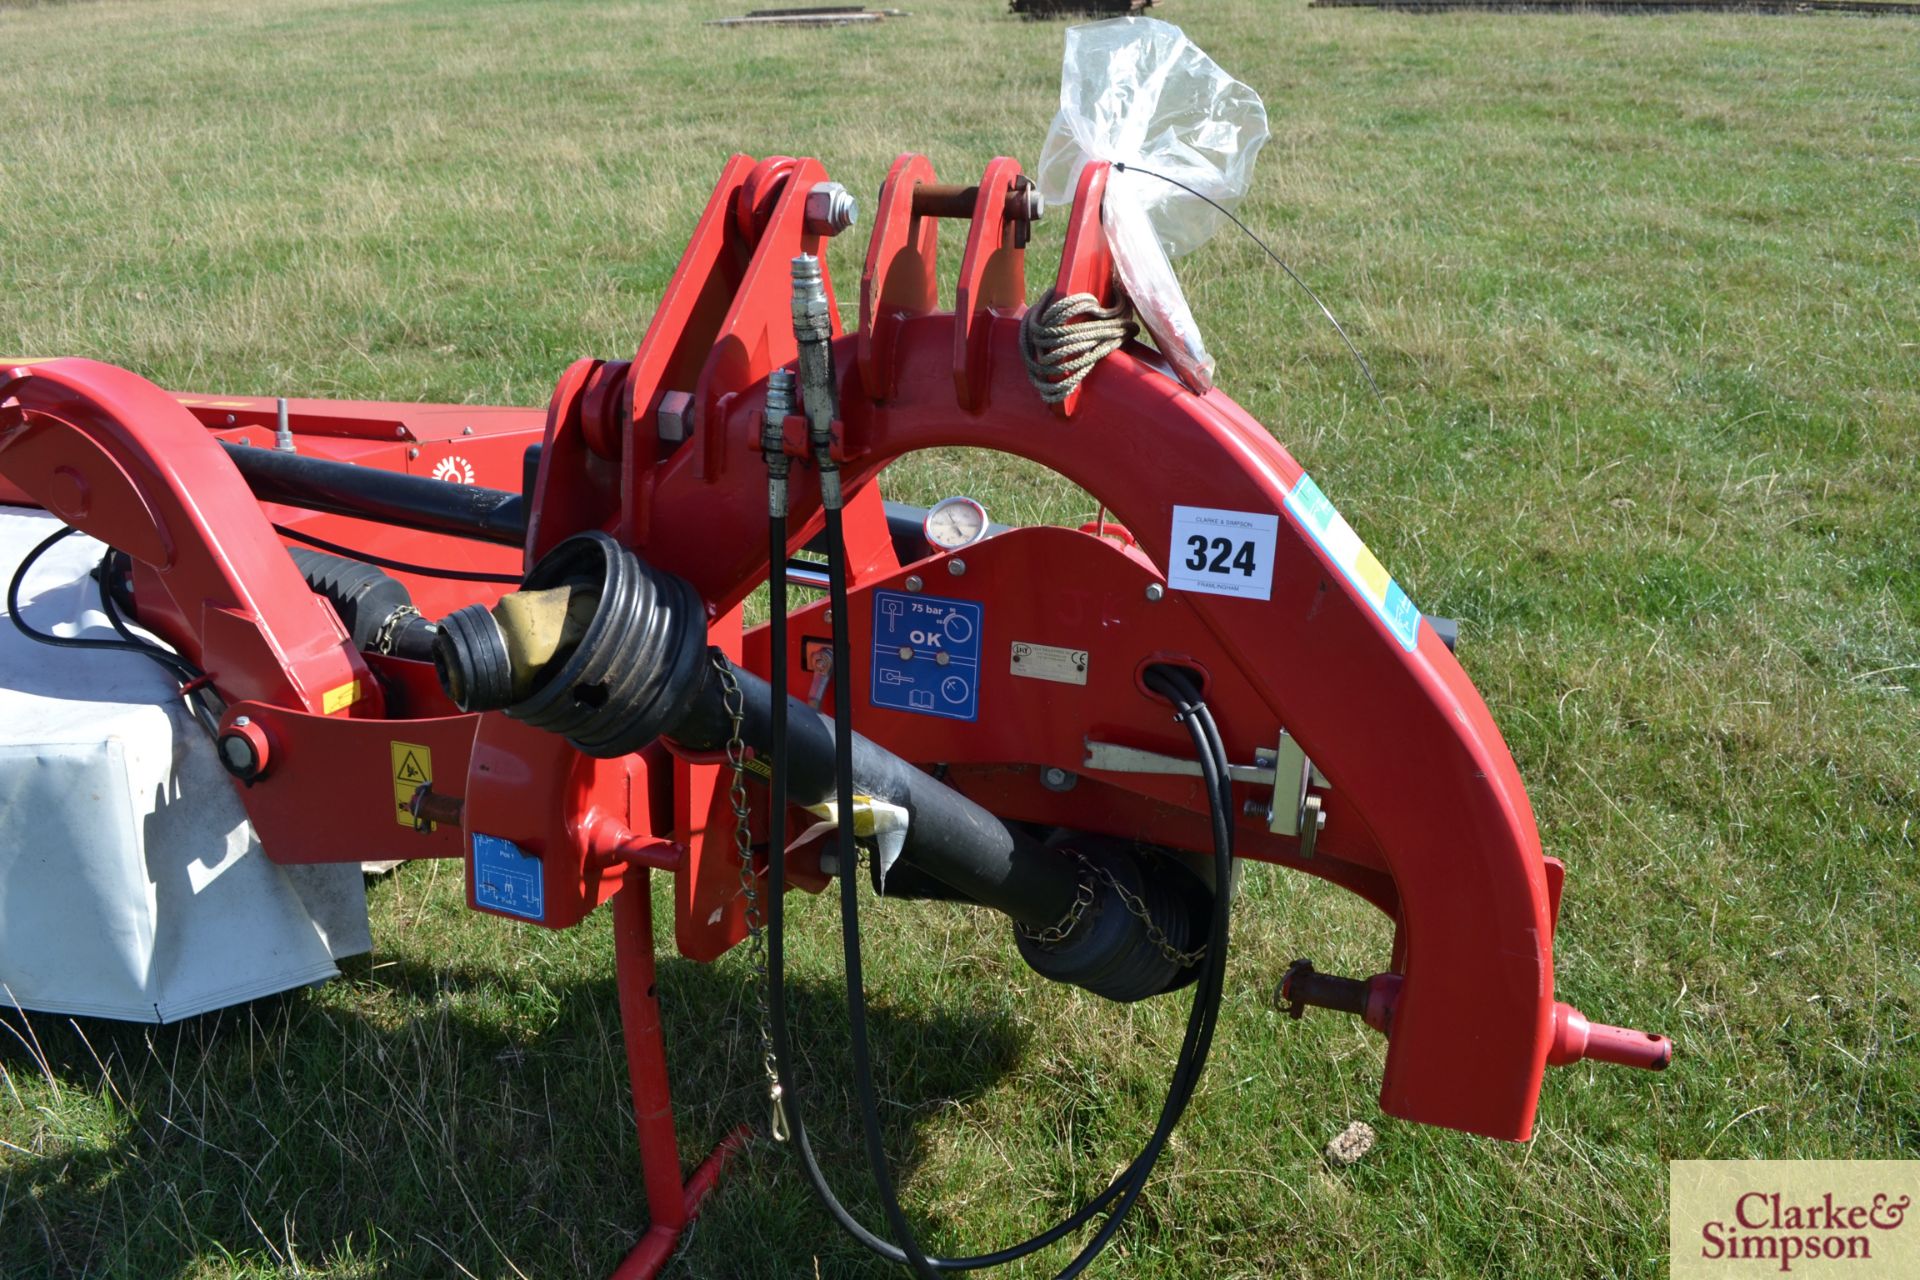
column 1644, row 296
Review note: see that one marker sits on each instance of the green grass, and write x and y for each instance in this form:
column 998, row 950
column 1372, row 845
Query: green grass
column 1642, row 294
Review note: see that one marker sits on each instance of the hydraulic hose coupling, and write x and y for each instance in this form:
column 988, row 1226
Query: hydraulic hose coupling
column 813, row 333
column 773, row 439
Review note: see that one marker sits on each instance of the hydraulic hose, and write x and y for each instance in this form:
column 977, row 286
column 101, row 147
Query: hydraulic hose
column 1190, row 1063
column 1170, row 682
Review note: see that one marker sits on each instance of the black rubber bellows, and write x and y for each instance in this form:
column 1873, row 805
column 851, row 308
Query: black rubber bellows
column 1110, row 950
column 631, row 676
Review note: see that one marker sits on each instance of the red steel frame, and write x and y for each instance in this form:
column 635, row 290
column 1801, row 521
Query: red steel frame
column 1427, row 817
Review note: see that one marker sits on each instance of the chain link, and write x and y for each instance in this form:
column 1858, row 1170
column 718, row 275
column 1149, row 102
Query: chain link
column 1135, row 906
column 1058, row 932
column 1181, row 959
column 383, row 639
column 736, row 707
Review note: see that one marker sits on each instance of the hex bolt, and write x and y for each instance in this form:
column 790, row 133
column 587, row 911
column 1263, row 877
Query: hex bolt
column 1155, row 591
column 956, row 567
column 1027, row 203
column 1054, row 778
column 241, row 722
column 830, row 209
column 913, row 582
column 413, row 453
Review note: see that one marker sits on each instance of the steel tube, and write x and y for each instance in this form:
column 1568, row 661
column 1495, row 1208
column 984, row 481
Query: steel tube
column 369, row 493
column 951, row 200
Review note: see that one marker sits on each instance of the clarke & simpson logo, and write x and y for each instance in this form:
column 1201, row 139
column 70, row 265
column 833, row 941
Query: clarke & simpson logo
column 1804, row 1217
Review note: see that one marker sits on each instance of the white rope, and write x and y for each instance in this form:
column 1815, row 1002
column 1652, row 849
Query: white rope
column 1060, row 350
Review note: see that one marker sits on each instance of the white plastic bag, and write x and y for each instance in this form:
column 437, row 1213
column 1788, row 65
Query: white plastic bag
column 1137, row 91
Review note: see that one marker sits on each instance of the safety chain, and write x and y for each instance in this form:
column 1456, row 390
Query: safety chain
column 384, row 637
column 1135, row 906
column 1180, row 959
column 736, row 707
column 1068, row 923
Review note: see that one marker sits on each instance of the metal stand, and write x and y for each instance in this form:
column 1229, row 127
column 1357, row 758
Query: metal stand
column 671, row 1202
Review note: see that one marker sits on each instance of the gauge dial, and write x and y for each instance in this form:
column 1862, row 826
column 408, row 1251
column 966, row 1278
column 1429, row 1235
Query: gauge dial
column 954, row 523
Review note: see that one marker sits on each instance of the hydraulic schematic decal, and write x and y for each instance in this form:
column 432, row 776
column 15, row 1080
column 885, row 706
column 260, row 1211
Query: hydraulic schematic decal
column 505, row 878
column 926, row 655
column 1336, row 537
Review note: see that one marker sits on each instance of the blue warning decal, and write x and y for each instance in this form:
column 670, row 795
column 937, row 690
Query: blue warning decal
column 507, row 879
column 926, row 655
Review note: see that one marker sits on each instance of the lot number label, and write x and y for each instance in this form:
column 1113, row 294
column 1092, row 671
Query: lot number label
column 1223, row 553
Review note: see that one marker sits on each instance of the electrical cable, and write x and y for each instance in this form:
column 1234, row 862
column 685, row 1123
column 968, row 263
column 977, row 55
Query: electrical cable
column 1189, row 1064
column 185, row 672
column 1228, row 213
column 398, row 566
column 194, row 687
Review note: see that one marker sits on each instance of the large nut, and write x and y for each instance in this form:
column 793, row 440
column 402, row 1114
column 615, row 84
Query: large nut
column 831, row 209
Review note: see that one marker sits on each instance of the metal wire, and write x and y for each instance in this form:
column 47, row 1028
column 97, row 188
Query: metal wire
column 1248, row 231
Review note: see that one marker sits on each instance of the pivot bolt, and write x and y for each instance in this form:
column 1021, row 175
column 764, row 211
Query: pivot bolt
column 831, row 209
column 244, row 750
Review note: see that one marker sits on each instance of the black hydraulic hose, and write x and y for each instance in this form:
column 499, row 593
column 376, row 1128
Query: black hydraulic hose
column 1201, row 1021
column 398, row 566
column 850, row 904
column 195, row 690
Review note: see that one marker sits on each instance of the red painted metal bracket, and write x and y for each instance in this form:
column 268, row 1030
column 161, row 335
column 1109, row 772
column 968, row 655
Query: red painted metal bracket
column 992, row 285
column 1086, row 263
column 901, row 275
column 117, row 457
column 671, row 1201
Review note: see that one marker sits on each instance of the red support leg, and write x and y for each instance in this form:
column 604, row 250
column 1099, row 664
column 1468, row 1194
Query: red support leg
column 671, row 1203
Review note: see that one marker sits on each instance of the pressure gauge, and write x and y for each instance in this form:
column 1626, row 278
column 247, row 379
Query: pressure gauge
column 954, row 523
